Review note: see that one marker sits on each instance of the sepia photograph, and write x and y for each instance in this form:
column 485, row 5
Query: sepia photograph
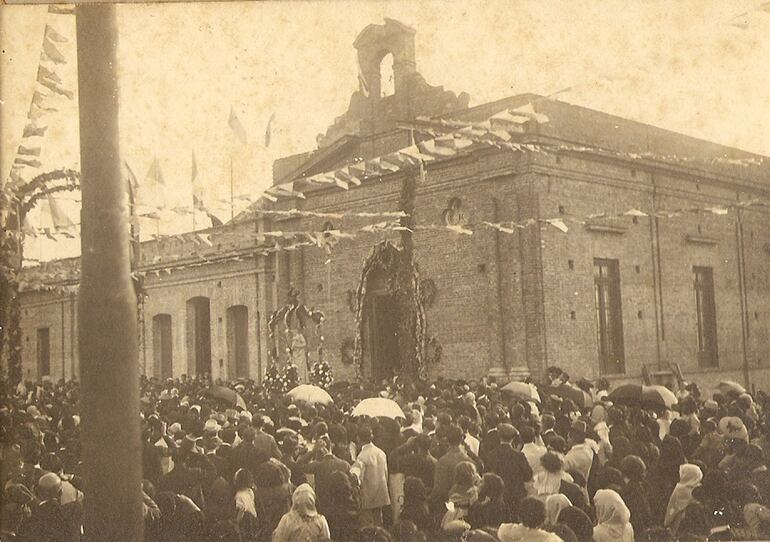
column 385, row 271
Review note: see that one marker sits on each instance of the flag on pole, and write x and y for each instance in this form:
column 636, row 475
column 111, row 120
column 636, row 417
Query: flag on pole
column 236, row 126
column 268, row 130
column 155, row 174
column 53, row 35
column 363, row 86
column 50, row 52
column 133, row 186
column 31, row 130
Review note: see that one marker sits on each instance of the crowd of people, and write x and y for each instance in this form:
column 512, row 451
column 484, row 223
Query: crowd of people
column 468, row 461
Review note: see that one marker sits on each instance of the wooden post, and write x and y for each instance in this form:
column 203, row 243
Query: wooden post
column 107, row 302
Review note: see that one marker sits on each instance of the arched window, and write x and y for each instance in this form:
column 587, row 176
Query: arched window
column 387, row 76
column 238, row 341
column 162, row 346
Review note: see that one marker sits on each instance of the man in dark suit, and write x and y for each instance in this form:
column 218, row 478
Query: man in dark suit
column 188, row 475
column 50, row 521
column 445, row 468
column 263, row 442
column 510, row 465
column 246, row 455
column 322, row 463
column 414, row 459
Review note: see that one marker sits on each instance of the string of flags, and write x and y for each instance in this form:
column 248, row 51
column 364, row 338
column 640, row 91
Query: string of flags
column 49, row 86
column 64, row 226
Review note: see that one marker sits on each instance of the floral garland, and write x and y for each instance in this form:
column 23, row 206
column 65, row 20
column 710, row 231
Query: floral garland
column 387, row 257
column 321, row 374
column 279, row 382
column 290, row 378
column 273, row 381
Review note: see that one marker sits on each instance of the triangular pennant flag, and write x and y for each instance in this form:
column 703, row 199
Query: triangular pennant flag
column 38, row 100
column 457, row 228
column 236, row 126
column 635, row 212
column 27, row 162
column 558, row 223
column 29, row 151
column 31, row 130
column 269, row 130
column 45, row 73
column 61, row 10
column 50, row 52
column 198, row 204
column 53, row 35
column 56, row 88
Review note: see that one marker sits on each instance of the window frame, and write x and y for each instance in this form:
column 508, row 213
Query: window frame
column 706, row 330
column 609, row 316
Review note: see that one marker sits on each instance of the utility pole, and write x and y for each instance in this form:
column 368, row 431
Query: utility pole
column 107, row 301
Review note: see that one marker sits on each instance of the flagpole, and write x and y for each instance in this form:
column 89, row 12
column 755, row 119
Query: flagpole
column 231, row 187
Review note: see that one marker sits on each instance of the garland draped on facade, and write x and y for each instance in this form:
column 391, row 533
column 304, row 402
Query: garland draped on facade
column 403, row 283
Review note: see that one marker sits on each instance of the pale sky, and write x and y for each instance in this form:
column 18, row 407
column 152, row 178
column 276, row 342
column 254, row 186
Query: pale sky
column 679, row 65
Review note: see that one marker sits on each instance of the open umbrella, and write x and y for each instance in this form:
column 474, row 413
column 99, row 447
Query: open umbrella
column 575, row 394
column 657, row 393
column 378, row 406
column 226, row 395
column 654, row 397
column 522, row 390
column 310, row 394
column 729, row 385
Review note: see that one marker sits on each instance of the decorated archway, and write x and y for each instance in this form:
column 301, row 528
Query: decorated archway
column 390, row 288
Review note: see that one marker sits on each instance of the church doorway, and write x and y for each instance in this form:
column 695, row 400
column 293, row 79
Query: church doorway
column 380, row 324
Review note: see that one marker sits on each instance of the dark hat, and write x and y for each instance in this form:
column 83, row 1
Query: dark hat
column 579, row 427
column 506, row 432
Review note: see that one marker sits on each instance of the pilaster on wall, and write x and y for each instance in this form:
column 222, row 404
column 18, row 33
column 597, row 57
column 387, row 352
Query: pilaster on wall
column 530, row 258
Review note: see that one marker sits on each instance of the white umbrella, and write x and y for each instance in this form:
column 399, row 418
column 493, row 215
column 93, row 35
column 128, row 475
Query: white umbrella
column 729, row 385
column 378, row 406
column 522, row 390
column 310, row 394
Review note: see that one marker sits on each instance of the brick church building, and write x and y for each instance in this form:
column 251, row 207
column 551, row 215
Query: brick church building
column 591, row 242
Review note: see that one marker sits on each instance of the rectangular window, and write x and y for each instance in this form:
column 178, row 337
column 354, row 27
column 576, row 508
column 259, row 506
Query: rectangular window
column 609, row 316
column 43, row 352
column 705, row 308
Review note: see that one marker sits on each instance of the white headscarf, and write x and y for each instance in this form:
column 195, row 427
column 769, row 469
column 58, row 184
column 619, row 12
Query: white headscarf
column 553, row 505
column 612, row 518
column 689, row 478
